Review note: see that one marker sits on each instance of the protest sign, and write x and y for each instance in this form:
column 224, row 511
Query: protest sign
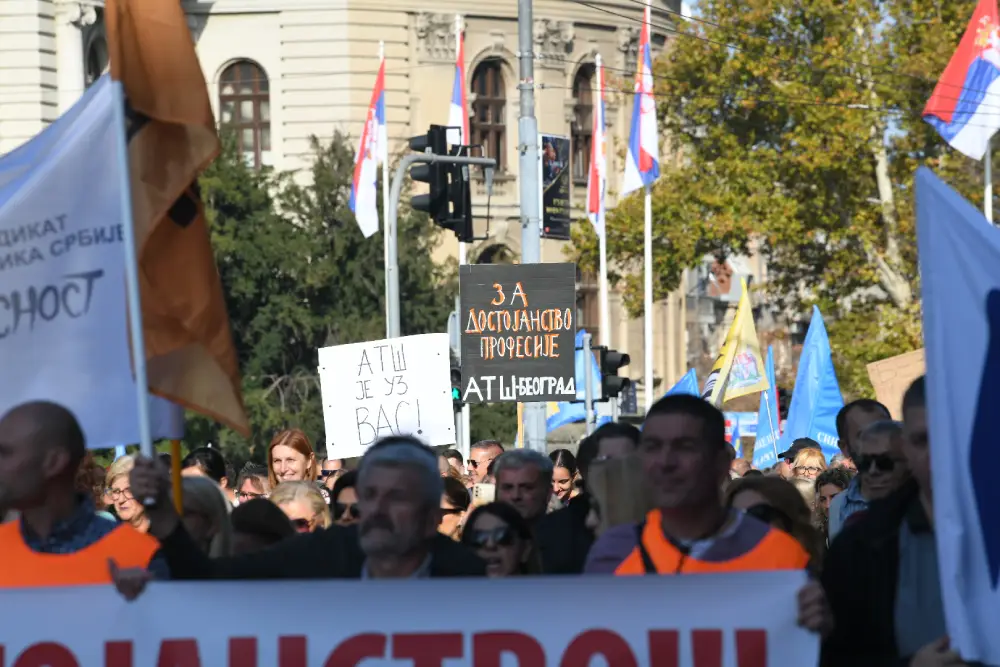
column 63, row 332
column 399, row 386
column 556, row 214
column 891, row 377
column 726, row 620
column 518, row 332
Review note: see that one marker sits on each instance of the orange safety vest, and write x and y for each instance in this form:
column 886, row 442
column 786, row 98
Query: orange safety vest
column 24, row 568
column 777, row 550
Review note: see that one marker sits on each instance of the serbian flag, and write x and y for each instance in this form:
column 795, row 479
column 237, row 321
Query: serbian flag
column 965, row 105
column 597, row 176
column 642, row 161
column 458, row 115
column 372, row 149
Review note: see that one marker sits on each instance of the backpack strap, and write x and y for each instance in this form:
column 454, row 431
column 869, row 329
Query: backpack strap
column 647, row 561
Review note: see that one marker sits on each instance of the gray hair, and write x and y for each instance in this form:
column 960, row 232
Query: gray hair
column 886, row 427
column 516, row 459
column 406, row 452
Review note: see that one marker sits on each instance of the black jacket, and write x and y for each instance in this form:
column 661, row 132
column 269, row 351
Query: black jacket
column 332, row 553
column 859, row 576
column 563, row 541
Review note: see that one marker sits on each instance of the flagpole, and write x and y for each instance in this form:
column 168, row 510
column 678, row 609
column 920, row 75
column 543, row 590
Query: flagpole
column 770, row 422
column 648, row 298
column 988, row 181
column 385, row 203
column 463, row 248
column 603, row 236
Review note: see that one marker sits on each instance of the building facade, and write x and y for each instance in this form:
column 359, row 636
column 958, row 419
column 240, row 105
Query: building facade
column 283, row 71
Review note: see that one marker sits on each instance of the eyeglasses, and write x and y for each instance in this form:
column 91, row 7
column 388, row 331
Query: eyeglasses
column 339, row 509
column 882, row 463
column 451, row 510
column 502, row 536
column 247, row 496
column 809, row 470
column 323, row 474
column 125, row 493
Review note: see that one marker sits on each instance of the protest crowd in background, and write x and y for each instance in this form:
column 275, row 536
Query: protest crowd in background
column 822, row 544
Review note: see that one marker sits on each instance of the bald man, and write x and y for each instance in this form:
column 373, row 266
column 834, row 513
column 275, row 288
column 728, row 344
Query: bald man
column 59, row 539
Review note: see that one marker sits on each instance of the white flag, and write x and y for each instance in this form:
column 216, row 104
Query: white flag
column 63, row 331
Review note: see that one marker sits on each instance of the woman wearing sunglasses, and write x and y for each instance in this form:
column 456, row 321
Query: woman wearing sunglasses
column 503, row 539
column 344, row 499
column 303, row 504
column 779, row 504
column 454, row 504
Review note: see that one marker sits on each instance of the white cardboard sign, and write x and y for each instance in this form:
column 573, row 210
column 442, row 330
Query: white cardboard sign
column 398, row 386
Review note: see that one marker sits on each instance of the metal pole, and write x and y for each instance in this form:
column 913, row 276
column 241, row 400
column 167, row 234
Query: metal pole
column 385, row 206
column 531, row 223
column 648, row 301
column 132, row 278
column 588, row 371
column 392, row 267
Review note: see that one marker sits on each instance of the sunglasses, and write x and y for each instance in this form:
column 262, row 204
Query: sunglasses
column 339, row 509
column 771, row 516
column 323, row 474
column 882, row 463
column 501, row 537
column 451, row 510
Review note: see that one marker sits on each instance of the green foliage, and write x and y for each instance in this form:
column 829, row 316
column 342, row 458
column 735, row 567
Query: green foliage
column 493, row 421
column 781, row 115
column 298, row 275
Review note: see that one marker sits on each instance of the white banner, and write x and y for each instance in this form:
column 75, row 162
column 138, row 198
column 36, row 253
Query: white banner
column 731, row 620
column 386, row 387
column 63, row 333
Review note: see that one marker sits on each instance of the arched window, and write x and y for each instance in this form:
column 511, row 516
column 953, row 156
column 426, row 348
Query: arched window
column 489, row 109
column 245, row 108
column 583, row 121
column 495, row 254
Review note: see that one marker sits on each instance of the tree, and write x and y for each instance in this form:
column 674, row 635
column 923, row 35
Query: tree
column 796, row 127
column 298, row 275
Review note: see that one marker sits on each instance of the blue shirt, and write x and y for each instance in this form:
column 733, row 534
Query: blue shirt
column 845, row 504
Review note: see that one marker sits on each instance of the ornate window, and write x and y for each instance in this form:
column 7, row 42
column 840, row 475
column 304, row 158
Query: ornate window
column 489, row 111
column 583, row 121
column 245, row 108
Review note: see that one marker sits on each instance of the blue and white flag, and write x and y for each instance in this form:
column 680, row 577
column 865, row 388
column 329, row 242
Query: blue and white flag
column 816, row 399
column 686, row 385
column 765, row 448
column 960, row 280
column 63, row 331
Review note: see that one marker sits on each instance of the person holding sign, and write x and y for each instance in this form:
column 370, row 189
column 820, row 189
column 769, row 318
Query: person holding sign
column 686, row 460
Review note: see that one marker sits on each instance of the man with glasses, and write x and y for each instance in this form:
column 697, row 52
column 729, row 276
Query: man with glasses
column 330, row 470
column 252, row 483
column 878, row 454
column 481, row 455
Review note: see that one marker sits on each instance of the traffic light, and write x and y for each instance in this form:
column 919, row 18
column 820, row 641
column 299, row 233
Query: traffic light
column 460, row 198
column 611, row 362
column 435, row 202
column 784, row 400
column 456, row 387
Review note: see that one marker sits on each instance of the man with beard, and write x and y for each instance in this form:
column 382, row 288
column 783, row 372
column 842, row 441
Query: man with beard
column 399, row 495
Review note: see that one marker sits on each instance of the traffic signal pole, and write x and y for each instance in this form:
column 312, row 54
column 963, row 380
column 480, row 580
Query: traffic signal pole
column 529, row 186
column 392, row 217
column 588, row 396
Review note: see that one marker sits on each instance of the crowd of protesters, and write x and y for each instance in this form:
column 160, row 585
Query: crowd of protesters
column 669, row 499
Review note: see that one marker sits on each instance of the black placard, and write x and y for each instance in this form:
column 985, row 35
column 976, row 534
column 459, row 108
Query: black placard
column 518, row 332
column 556, row 214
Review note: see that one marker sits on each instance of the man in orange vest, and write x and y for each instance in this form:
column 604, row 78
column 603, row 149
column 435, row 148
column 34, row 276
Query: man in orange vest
column 686, row 460
column 59, row 539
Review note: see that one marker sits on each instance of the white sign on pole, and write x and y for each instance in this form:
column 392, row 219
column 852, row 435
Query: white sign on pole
column 399, row 386
column 63, row 331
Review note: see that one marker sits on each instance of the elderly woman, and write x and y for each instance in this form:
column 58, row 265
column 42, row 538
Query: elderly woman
column 128, row 509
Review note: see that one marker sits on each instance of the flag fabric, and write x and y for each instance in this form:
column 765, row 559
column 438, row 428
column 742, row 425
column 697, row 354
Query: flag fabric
column 960, row 281
column 816, row 399
column 63, row 314
column 597, row 176
column 458, row 110
column 372, row 150
column 765, row 448
column 688, row 384
column 736, row 440
column 566, row 412
column 739, row 368
column 642, row 159
column 191, row 359
column 965, row 105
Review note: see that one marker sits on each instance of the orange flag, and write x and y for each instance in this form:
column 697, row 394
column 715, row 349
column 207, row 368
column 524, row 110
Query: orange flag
column 172, row 138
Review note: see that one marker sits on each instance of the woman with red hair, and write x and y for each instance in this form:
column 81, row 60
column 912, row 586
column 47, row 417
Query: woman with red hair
column 290, row 458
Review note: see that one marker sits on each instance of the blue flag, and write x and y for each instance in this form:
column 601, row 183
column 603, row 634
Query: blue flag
column 816, row 399
column 565, row 412
column 686, row 385
column 765, row 449
column 960, row 282
column 736, row 441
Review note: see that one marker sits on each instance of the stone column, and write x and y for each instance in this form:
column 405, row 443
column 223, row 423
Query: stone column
column 71, row 19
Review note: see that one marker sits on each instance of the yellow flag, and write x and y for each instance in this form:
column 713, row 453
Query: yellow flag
column 739, row 368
